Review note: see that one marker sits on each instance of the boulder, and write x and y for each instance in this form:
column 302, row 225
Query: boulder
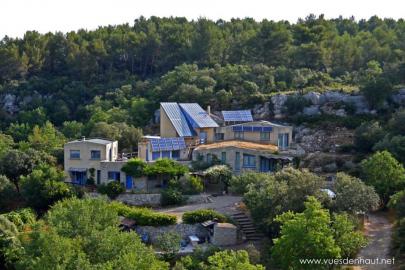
column 314, row 97
column 331, row 96
column 312, row 110
column 9, row 104
column 278, row 103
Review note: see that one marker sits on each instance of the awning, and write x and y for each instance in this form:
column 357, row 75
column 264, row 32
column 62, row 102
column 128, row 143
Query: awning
column 77, row 169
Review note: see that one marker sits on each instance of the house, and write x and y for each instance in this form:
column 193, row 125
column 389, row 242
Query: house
column 187, row 132
column 96, row 159
column 83, row 157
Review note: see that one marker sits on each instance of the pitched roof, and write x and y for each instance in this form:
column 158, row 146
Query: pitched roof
column 239, row 144
column 177, row 118
column 197, row 116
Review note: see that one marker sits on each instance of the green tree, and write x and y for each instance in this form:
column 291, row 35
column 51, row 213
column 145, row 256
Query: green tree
column 240, row 184
column 169, row 244
column 72, row 129
column 6, row 143
column 367, row 135
column 353, row 195
column 16, row 163
column 286, row 190
column 134, row 167
column 46, row 138
column 396, row 124
column 304, row 236
column 231, row 260
column 84, row 234
column 44, row 186
column 220, row 173
column 385, row 173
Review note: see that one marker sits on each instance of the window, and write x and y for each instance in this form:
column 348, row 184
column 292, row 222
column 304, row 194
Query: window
column 249, row 161
column 265, row 136
column 223, row 157
column 155, row 155
column 283, row 140
column 114, row 176
column 219, row 136
column 165, row 154
column 74, row 154
column 238, row 134
column 237, row 161
column 95, row 154
column 175, row 154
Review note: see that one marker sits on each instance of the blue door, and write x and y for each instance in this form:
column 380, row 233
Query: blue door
column 264, row 164
column 128, row 183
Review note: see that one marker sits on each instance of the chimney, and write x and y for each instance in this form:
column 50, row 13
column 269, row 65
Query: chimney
column 209, row 109
column 83, row 138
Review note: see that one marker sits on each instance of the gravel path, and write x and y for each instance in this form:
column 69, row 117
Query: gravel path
column 378, row 229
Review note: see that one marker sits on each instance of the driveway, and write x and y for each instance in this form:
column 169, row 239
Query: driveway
column 378, row 229
column 223, row 204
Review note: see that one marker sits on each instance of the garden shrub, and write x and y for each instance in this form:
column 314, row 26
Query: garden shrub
column 172, row 196
column 239, row 184
column 112, row 189
column 202, row 215
column 192, row 185
column 143, row 216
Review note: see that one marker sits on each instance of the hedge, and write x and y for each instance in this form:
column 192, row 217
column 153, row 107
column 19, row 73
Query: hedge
column 144, row 216
column 202, row 215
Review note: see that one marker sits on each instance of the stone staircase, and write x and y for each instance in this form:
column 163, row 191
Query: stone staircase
column 246, row 225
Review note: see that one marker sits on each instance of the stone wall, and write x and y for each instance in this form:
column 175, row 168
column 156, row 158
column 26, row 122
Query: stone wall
column 184, row 230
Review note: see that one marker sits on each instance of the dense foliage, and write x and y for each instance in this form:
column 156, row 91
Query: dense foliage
column 81, row 234
column 280, row 192
column 112, row 189
column 91, row 82
column 385, row 173
column 320, row 236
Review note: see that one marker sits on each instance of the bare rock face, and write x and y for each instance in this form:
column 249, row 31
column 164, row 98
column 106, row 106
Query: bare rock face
column 314, row 97
column 399, row 98
column 10, row 104
column 312, row 110
column 278, row 104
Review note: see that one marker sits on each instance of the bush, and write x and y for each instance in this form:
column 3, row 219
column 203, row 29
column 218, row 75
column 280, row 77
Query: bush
column 143, row 216
column 134, row 167
column 21, row 217
column 172, row 196
column 192, row 185
column 367, row 135
column 202, row 215
column 239, row 184
column 112, row 189
column 295, row 104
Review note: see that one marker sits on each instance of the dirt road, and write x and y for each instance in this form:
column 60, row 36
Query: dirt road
column 378, row 229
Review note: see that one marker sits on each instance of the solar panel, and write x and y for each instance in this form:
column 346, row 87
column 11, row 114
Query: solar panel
column 197, row 116
column 237, row 116
column 177, row 118
column 167, row 144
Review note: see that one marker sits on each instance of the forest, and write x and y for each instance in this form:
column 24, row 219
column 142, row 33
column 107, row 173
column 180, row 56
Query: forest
column 78, row 76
